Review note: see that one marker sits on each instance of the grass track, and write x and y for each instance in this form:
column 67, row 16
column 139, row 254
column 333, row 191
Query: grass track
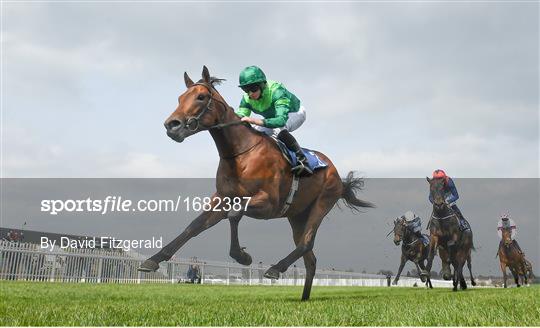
column 61, row 304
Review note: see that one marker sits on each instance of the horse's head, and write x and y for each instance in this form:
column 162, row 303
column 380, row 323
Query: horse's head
column 199, row 108
column 437, row 192
column 399, row 230
column 506, row 236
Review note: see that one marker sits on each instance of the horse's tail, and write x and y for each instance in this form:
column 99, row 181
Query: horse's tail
column 350, row 186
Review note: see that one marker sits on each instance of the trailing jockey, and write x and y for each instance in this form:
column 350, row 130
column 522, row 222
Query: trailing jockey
column 507, row 223
column 414, row 223
column 451, row 196
column 280, row 108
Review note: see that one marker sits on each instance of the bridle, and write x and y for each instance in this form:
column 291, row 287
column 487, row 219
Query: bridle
column 193, row 123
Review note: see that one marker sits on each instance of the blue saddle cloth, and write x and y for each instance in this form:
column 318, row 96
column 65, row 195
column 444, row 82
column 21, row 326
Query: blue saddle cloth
column 425, row 239
column 313, row 161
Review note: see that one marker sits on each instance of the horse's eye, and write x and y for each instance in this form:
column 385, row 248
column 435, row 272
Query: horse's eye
column 200, row 97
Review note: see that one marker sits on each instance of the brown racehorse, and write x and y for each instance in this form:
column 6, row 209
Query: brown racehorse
column 446, row 234
column 412, row 249
column 511, row 257
column 251, row 165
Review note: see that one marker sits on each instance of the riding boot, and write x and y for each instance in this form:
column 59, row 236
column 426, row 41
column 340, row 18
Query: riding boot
column 301, row 167
column 463, row 224
column 518, row 248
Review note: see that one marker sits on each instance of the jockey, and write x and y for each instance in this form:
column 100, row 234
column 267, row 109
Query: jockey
column 280, row 108
column 414, row 223
column 451, row 196
column 507, row 223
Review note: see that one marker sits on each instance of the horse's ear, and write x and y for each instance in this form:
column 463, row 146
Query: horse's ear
column 428, row 179
column 205, row 74
column 187, row 80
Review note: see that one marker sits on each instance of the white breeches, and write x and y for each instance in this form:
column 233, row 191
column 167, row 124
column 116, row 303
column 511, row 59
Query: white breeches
column 295, row 120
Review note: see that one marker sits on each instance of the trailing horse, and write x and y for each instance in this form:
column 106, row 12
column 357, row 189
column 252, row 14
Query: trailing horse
column 252, row 165
column 446, row 234
column 412, row 249
column 510, row 257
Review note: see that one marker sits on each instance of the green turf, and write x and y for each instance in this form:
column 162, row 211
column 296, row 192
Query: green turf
column 62, row 304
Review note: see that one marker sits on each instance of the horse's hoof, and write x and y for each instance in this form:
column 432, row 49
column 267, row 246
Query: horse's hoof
column 242, row 257
column 148, row 266
column 473, row 282
column 454, row 289
column 394, row 282
column 423, row 278
column 518, row 285
column 447, row 277
column 272, row 273
column 423, row 273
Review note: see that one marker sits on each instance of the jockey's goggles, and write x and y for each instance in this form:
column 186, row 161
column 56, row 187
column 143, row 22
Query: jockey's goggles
column 251, row 88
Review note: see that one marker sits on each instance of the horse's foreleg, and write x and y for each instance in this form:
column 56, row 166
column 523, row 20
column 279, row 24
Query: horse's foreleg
column 503, row 269
column 422, row 278
column 462, row 282
column 237, row 252
column 204, row 221
column 431, row 254
column 401, row 266
column 469, row 266
column 455, row 275
column 445, row 263
column 516, row 276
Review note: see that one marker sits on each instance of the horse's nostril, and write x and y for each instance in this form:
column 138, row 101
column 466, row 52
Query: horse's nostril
column 173, row 125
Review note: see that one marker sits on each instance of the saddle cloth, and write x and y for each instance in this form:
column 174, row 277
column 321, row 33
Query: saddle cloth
column 313, row 161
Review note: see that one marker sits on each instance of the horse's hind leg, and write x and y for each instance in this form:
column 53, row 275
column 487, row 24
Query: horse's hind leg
column 237, row 252
column 298, row 224
column 317, row 212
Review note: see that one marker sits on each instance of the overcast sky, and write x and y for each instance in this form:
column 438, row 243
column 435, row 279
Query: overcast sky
column 392, row 90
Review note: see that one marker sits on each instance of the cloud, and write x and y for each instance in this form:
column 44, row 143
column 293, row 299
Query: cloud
column 451, row 85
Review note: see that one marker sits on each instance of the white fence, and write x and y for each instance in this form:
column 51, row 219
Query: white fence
column 21, row 261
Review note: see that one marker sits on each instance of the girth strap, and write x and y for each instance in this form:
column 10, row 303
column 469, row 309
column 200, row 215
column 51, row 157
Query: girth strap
column 290, row 197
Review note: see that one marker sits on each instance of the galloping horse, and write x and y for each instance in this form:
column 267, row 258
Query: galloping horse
column 446, row 234
column 412, row 249
column 251, row 165
column 511, row 257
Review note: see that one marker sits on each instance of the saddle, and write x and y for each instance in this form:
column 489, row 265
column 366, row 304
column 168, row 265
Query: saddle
column 313, row 161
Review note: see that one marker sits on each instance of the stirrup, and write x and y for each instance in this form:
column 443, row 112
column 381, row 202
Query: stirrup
column 301, row 169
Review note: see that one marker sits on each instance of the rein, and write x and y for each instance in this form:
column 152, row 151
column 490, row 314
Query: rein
column 443, row 218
